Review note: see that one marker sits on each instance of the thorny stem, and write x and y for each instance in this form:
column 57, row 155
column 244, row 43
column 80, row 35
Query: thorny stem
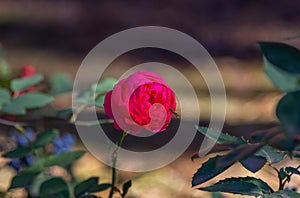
column 286, row 179
column 114, row 161
column 282, row 182
column 278, row 175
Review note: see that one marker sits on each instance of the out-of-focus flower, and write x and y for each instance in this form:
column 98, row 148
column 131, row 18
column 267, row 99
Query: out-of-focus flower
column 21, row 140
column 27, row 71
column 291, row 188
column 143, row 100
column 63, row 143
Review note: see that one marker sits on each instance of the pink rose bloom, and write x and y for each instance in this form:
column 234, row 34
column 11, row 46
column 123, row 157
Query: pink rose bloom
column 143, row 100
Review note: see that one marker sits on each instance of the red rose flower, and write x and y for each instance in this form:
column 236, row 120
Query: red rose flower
column 27, row 71
column 143, row 100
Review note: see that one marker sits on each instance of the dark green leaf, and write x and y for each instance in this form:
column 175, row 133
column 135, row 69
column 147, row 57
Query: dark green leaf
column 281, row 55
column 4, row 96
column 292, row 170
column 61, row 83
column 126, row 187
column 216, row 165
column 217, row 195
column 243, row 185
column 284, row 81
column 89, row 196
column 240, row 153
column 220, row 137
column 84, row 186
column 288, row 112
column 282, row 65
column 45, row 137
column 253, row 163
column 100, row 187
column 283, row 194
column 264, row 135
column 208, row 170
column 21, row 84
column 271, row 154
column 18, row 152
column 24, row 178
column 282, row 173
column 64, row 111
column 63, row 159
column 53, row 188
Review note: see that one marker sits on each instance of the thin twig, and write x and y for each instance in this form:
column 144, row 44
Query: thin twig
column 12, row 123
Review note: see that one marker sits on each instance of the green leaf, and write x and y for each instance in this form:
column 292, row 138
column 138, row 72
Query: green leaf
column 19, row 105
column 292, row 170
column 216, row 165
column 54, row 188
column 284, row 56
column 271, row 154
column 284, row 81
column 242, row 185
column 33, row 100
column 14, row 108
column 45, row 137
column 21, row 84
column 126, row 187
column 85, row 186
column 4, row 96
column 60, row 83
column 288, row 112
column 63, row 159
column 283, row 194
column 220, row 137
column 105, row 85
column 99, row 101
column 24, row 178
column 18, row 152
column 84, row 97
column 282, row 65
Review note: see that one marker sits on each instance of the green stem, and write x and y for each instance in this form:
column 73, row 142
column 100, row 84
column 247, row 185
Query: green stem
column 77, row 112
column 279, row 177
column 83, row 107
column 285, row 180
column 114, row 160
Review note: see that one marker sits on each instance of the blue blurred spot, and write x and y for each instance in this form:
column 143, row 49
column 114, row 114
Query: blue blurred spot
column 15, row 164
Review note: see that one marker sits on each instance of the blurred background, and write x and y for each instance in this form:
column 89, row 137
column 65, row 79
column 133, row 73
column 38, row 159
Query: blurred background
column 55, row 36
